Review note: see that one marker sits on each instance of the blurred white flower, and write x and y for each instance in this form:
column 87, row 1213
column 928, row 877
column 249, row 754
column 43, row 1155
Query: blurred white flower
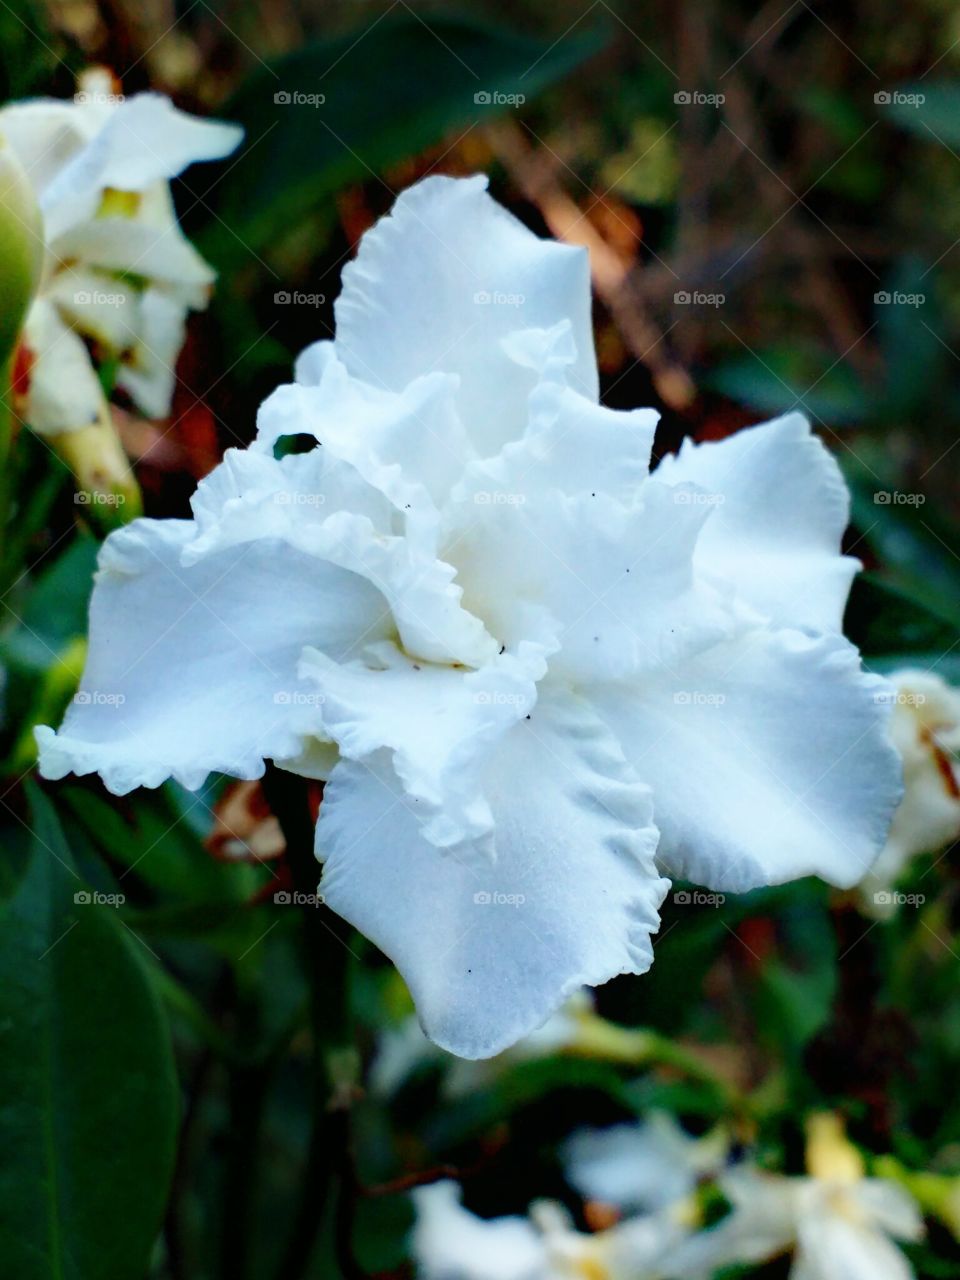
column 539, row 665
column 450, row 1243
column 642, row 1166
column 839, row 1224
column 925, row 727
column 117, row 268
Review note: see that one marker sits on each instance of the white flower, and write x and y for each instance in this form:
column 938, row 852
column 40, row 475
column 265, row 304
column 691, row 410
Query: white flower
column 642, row 1166
column 450, row 1243
column 535, row 662
column 836, row 1230
column 838, row 1224
column 925, row 728
column 118, row 270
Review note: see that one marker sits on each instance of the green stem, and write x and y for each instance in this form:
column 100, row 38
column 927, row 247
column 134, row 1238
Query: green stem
column 325, row 954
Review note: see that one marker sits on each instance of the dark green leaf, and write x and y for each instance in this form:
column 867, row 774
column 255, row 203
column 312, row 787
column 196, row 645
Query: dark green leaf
column 388, row 91
column 89, row 1097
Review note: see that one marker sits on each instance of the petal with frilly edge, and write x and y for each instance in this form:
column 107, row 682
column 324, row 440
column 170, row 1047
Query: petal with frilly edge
column 410, row 445
column 436, row 720
column 614, row 584
column 768, row 756
column 780, row 507
column 489, row 951
column 193, row 669
column 439, row 283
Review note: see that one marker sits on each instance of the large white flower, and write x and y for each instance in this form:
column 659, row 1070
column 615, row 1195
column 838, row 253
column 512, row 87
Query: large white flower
column 118, row 270
column 534, row 660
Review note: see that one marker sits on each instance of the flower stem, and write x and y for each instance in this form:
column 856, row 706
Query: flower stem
column 325, row 954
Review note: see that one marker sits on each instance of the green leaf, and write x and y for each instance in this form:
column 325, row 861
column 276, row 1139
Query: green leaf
column 89, row 1095
column 777, row 380
column 883, row 620
column 389, row 90
column 918, row 550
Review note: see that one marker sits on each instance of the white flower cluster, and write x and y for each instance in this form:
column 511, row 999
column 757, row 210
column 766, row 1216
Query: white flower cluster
column 118, row 272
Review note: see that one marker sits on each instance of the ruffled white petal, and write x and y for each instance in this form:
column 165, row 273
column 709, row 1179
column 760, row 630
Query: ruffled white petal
column 780, row 507
column 194, row 669
column 305, row 500
column 409, row 445
column 768, row 756
column 613, row 585
column 438, row 285
column 489, row 950
column 436, row 720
